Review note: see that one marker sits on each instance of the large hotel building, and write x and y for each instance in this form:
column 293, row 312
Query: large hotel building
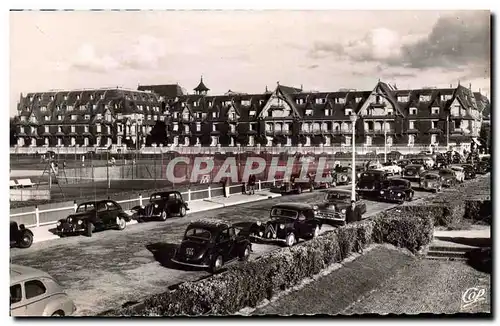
column 285, row 116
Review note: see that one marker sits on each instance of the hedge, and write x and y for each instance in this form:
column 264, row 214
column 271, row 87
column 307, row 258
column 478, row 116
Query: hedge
column 248, row 284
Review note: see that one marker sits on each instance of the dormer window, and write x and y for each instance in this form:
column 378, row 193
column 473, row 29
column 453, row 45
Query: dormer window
column 252, row 113
column 186, row 129
column 198, row 126
column 446, row 97
column 183, row 104
column 413, row 111
column 83, row 108
column 402, row 98
column 47, row 118
column 102, row 97
column 23, row 118
column 358, row 99
column 245, row 102
column 65, row 97
column 309, row 112
column 434, row 124
column 175, row 115
column 43, row 109
column 31, row 98
column 340, row 100
column 52, row 97
column 91, row 96
column 175, row 127
column 87, row 117
column 347, row 112
column 435, row 110
column 214, row 114
column 78, row 97
column 299, row 101
column 46, row 129
column 59, row 117
column 320, row 101
column 69, row 107
column 195, row 104
column 425, row 98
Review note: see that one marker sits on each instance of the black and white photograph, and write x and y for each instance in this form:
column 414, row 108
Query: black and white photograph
column 250, row 163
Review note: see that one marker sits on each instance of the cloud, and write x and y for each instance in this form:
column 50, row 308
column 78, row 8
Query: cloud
column 145, row 53
column 455, row 42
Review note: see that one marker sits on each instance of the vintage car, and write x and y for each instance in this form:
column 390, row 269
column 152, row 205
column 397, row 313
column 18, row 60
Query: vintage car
column 323, row 183
column 289, row 222
column 396, row 190
column 413, row 172
column 403, row 163
column 469, row 171
column 449, row 177
column 336, row 208
column 20, row 236
column 370, row 182
column 92, row 216
column 211, row 243
column 294, row 185
column 431, row 181
column 391, row 168
column 344, row 175
column 35, row 293
column 459, row 172
column 440, row 161
column 161, row 206
column 425, row 161
column 483, row 166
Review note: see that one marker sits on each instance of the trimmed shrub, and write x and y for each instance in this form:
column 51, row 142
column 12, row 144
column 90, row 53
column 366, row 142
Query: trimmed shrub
column 248, row 284
column 478, row 211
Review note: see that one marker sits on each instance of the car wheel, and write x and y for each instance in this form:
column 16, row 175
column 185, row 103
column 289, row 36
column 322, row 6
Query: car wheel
column 89, row 229
column 245, row 254
column 26, row 241
column 163, row 215
column 122, row 224
column 58, row 313
column 290, row 239
column 217, row 264
column 299, row 190
column 182, row 211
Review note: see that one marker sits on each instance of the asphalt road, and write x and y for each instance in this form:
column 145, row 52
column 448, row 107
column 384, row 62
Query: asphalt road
column 115, row 267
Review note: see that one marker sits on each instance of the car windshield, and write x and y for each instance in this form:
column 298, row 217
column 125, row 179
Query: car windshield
column 412, row 167
column 396, row 183
column 446, row 173
column 162, row 196
column 199, row 233
column 369, row 175
column 431, row 177
column 282, row 212
column 338, row 196
column 417, row 161
column 85, row 207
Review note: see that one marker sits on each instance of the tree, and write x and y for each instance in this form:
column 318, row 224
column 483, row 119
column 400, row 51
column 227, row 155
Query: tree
column 158, row 133
column 13, row 132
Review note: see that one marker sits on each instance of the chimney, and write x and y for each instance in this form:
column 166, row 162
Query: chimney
column 278, row 82
column 301, row 87
column 470, row 86
column 451, row 86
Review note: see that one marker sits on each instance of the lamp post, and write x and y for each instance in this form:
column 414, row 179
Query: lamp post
column 385, row 142
column 353, row 118
column 448, row 132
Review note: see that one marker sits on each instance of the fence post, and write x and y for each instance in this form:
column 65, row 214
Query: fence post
column 209, row 192
column 189, row 194
column 37, row 216
column 274, row 182
column 140, row 199
column 260, row 186
column 75, row 206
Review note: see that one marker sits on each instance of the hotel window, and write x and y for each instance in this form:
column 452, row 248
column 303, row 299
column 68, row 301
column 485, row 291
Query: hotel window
column 413, row 111
column 65, row 97
column 59, row 128
column 252, row 113
column 46, row 129
column 425, row 98
column 434, row 124
column 389, row 140
column 195, row 104
column 402, row 98
column 348, row 140
column 446, row 97
column 74, row 117
column 433, row 138
column 358, row 99
column 108, row 128
column 73, row 128
column 214, row 127
column 59, row 117
column 199, row 115
column 43, row 109
column 368, row 141
column 435, row 110
column 176, row 127
column 108, row 117
column 94, row 106
column 21, row 129
column 98, row 128
column 320, row 101
column 185, row 116
column 148, row 117
column 69, row 107
column 339, row 100
column 198, row 126
column 91, row 96
column 186, row 129
column 78, row 97
column 214, row 114
column 86, row 128
column 347, row 111
column 47, row 118
column 102, row 96
column 245, row 102
column 327, row 112
column 23, row 118
column 411, row 140
column 209, row 103
column 390, row 111
column 155, row 118
column 411, row 124
column 309, row 112
column 87, row 117
column 252, row 127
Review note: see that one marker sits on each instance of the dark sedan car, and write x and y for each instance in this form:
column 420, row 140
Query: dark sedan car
column 469, row 171
column 289, row 222
column 370, row 182
column 161, row 206
column 210, row 244
column 449, row 177
column 413, row 172
column 336, row 208
column 20, row 236
column 396, row 190
column 95, row 215
column 297, row 185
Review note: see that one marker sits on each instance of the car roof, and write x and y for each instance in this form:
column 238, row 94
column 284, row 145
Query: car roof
column 342, row 191
column 213, row 224
column 414, row 165
column 399, row 180
column 165, row 193
column 296, row 206
column 375, row 171
column 20, row 273
column 431, row 173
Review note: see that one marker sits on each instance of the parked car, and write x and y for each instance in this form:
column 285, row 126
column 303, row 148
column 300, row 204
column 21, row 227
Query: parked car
column 403, row 163
column 20, row 236
column 449, row 177
column 413, row 172
column 344, row 175
column 484, row 165
column 427, row 162
column 161, row 206
column 459, row 172
column 288, row 223
column 370, row 182
column 469, row 171
column 36, row 293
column 94, row 215
column 323, row 183
column 440, row 161
column 431, row 181
column 396, row 190
column 391, row 168
column 336, row 207
column 211, row 243
column 294, row 185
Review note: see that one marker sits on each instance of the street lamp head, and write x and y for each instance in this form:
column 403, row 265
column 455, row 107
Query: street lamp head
column 353, row 117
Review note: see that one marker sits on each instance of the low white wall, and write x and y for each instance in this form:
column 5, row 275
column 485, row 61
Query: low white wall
column 29, row 194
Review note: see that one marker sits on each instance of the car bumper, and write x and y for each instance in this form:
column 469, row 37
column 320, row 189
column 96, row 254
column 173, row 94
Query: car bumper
column 70, row 228
column 200, row 265
column 332, row 217
column 391, row 198
column 268, row 239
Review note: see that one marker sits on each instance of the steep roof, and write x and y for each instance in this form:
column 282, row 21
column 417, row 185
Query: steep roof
column 201, row 86
column 167, row 90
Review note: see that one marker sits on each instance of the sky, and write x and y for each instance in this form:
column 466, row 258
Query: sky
column 245, row 51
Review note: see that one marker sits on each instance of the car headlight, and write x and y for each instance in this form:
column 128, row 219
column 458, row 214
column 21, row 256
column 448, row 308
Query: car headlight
column 399, row 195
column 58, row 223
column 156, row 205
column 343, row 211
column 381, row 192
column 261, row 234
column 80, row 222
column 315, row 207
column 259, row 223
column 282, row 226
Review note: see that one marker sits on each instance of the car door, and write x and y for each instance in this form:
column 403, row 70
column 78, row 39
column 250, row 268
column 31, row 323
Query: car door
column 306, row 223
column 17, row 305
column 233, row 246
column 112, row 213
column 101, row 216
column 36, row 297
column 224, row 244
column 174, row 203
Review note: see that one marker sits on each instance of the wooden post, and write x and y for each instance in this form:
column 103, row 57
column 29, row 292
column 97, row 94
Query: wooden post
column 189, row 194
column 140, row 199
column 260, row 186
column 209, row 192
column 75, row 206
column 37, row 216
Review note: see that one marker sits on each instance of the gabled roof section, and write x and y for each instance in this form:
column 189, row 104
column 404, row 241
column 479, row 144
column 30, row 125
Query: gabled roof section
column 280, row 93
column 289, row 90
column 384, row 90
column 201, row 86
